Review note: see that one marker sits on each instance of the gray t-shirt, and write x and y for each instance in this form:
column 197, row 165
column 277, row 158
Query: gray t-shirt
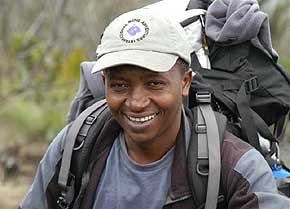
column 126, row 184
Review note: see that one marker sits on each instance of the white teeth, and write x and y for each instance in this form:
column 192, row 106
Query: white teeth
column 143, row 119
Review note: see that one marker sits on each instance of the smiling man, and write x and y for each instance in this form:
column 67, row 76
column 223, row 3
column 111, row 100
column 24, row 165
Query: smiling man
column 147, row 105
column 145, row 61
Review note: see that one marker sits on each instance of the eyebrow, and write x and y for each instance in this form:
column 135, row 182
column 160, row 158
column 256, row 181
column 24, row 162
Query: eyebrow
column 148, row 74
column 111, row 76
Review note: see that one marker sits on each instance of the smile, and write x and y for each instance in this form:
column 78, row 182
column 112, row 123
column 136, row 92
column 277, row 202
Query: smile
column 142, row 119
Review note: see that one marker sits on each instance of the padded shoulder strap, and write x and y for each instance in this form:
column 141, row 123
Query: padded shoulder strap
column 75, row 127
column 204, row 157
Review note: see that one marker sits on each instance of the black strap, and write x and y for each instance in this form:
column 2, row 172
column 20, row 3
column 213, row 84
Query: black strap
column 248, row 126
column 265, row 132
column 280, row 126
column 198, row 4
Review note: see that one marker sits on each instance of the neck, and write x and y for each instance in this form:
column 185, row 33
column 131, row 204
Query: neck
column 145, row 154
column 152, row 150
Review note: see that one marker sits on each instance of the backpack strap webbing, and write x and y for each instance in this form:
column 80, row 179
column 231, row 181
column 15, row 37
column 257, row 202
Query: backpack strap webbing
column 214, row 157
column 204, row 156
column 67, row 187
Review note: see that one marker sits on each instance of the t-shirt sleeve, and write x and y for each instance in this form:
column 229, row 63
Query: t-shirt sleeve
column 35, row 197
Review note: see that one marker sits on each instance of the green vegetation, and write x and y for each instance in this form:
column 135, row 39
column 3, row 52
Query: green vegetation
column 41, row 47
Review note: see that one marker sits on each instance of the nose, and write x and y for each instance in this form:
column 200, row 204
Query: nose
column 137, row 100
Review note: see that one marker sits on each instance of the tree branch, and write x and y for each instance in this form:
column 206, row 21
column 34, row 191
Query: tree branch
column 60, row 8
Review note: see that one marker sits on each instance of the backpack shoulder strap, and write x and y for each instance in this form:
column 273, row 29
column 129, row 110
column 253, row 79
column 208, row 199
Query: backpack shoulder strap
column 79, row 126
column 204, row 157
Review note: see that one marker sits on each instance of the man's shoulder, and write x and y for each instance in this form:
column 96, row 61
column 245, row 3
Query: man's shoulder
column 236, row 152
column 233, row 147
column 243, row 163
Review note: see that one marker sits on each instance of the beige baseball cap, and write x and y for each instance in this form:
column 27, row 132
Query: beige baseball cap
column 143, row 38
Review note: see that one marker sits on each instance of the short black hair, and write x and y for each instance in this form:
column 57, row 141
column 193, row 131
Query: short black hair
column 184, row 66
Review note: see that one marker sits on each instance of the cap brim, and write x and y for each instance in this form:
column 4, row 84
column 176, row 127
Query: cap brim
column 151, row 60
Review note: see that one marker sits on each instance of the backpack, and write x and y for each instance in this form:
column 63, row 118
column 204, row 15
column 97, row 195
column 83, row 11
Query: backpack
column 233, row 79
column 72, row 172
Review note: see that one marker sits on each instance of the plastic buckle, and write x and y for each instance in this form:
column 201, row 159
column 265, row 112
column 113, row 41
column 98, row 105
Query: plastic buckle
column 90, row 120
column 252, row 84
column 79, row 146
column 200, row 128
column 221, row 198
column 202, row 166
column 203, row 97
column 61, row 202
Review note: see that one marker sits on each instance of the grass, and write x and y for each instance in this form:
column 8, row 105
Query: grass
column 12, row 192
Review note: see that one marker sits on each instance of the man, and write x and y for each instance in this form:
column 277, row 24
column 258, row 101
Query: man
column 144, row 58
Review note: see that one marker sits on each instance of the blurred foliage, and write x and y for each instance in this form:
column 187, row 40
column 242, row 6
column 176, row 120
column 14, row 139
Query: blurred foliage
column 42, row 44
column 69, row 69
column 32, row 121
column 279, row 17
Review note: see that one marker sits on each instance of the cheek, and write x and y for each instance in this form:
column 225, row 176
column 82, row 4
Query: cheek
column 169, row 100
column 114, row 101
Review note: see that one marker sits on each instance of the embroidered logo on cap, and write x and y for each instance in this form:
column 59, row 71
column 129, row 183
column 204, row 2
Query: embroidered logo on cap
column 135, row 30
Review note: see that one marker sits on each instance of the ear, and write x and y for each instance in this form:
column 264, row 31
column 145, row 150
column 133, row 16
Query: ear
column 186, row 81
column 103, row 77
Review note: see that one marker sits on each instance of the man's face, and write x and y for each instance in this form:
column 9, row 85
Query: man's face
column 147, row 104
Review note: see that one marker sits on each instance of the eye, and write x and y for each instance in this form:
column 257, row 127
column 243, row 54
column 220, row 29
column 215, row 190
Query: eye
column 156, row 84
column 119, row 86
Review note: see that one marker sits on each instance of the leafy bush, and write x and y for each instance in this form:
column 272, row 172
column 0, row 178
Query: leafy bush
column 27, row 120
